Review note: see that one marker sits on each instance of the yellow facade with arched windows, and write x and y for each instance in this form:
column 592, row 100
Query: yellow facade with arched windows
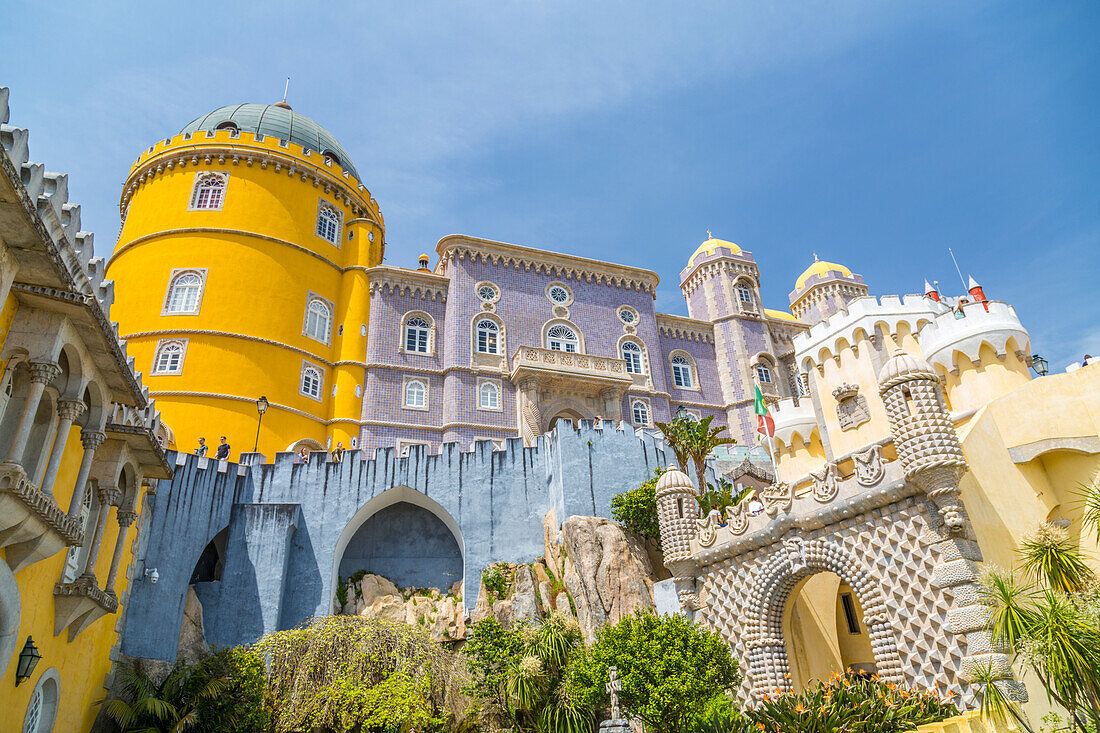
column 261, row 261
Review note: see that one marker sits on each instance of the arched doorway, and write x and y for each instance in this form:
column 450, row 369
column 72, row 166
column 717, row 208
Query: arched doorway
column 568, row 415
column 404, row 536
column 825, row 631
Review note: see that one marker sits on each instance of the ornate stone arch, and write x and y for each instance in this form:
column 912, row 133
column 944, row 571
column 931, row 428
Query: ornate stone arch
column 568, row 324
column 770, row 591
column 502, row 333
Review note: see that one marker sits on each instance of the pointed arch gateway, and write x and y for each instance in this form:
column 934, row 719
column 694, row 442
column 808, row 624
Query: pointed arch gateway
column 405, row 536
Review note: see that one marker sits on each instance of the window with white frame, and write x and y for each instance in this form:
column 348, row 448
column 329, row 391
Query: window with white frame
column 416, row 395
column 184, row 292
column 208, row 193
column 632, row 355
column 328, row 223
column 561, row 338
column 318, row 320
column 744, row 292
column 764, row 374
column 488, row 336
column 681, row 372
column 168, row 358
column 489, row 396
column 559, row 294
column 487, row 292
column 417, row 333
column 640, row 412
column 311, row 382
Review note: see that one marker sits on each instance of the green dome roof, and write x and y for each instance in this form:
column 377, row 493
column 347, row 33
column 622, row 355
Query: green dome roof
column 278, row 121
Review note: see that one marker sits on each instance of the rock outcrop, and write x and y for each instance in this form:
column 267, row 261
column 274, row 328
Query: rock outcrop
column 192, row 646
column 377, row 597
column 593, row 570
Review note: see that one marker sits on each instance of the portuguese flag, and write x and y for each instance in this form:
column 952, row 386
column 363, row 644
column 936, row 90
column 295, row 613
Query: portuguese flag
column 765, row 426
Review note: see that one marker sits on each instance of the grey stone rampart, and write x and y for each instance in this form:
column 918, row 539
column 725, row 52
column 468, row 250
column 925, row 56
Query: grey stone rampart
column 289, row 523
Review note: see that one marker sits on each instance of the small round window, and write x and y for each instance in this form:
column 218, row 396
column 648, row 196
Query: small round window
column 487, row 293
column 558, row 294
column 626, row 315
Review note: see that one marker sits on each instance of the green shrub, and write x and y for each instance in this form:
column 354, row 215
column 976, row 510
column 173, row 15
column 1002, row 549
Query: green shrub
column 496, row 580
column 670, row 669
column 636, row 509
column 849, row 703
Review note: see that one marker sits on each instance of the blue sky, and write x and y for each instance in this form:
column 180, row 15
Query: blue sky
column 875, row 134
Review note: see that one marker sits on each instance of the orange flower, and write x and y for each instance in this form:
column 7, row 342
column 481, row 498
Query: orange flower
column 799, row 709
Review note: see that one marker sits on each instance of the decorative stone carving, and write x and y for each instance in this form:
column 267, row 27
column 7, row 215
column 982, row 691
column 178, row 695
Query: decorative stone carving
column 851, row 407
column 826, row 484
column 777, row 497
column 870, row 467
column 796, row 554
column 708, row 529
column 737, row 518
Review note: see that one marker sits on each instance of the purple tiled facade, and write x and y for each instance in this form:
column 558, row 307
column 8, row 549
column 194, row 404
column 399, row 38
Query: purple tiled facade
column 724, row 342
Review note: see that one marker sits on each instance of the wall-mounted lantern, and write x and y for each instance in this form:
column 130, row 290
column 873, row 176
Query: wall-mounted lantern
column 28, row 660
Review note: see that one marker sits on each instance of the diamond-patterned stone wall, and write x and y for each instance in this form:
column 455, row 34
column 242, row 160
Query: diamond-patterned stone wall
column 886, row 555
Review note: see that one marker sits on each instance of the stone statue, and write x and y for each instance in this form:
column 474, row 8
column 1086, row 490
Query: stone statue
column 614, row 687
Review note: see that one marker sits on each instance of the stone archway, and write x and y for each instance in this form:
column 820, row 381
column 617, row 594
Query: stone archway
column 771, row 587
column 404, row 536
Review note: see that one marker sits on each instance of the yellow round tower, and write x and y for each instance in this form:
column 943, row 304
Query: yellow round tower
column 240, row 273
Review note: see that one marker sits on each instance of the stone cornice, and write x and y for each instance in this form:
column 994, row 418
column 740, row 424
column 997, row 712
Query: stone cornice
column 87, row 587
column 423, row 285
column 179, row 332
column 460, row 247
column 725, row 265
column 223, row 149
column 687, row 329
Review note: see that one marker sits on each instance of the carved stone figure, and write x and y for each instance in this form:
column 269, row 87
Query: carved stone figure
column 869, row 466
column 826, row 484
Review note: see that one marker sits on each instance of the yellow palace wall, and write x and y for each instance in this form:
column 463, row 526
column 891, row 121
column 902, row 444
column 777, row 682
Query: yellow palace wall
column 263, row 259
column 83, row 663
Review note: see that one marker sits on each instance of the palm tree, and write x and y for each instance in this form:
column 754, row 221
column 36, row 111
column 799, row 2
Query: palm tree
column 1053, row 621
column 692, row 441
column 170, row 706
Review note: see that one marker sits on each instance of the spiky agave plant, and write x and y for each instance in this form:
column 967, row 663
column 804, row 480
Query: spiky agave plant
column 996, row 705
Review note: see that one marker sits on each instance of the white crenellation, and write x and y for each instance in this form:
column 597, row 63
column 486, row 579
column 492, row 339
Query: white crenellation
column 992, row 322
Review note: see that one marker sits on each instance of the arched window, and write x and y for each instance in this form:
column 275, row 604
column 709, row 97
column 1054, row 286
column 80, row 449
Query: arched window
column 229, row 125
column 208, row 192
column 561, row 338
column 640, row 411
column 331, row 157
column 489, row 396
column 488, row 333
column 311, row 381
column 318, row 320
column 744, row 292
column 417, row 330
column 328, row 223
column 681, row 372
column 632, row 355
column 764, row 374
column 184, row 293
column 416, row 394
column 169, row 357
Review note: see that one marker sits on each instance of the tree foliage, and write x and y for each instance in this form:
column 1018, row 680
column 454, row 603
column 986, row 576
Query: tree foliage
column 524, row 674
column 1051, row 620
column 670, row 668
column 692, row 441
column 721, row 495
column 636, row 509
column 181, row 701
column 340, row 672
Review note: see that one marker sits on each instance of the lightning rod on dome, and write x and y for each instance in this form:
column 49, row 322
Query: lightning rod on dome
column 286, row 88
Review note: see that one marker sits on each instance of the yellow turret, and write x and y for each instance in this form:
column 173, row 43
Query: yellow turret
column 240, row 273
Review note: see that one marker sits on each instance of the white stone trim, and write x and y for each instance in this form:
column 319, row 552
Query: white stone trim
column 322, row 205
column 556, row 303
column 306, row 364
column 49, row 685
column 310, row 298
column 426, row 384
column 179, row 272
column 199, row 176
column 155, row 370
column 403, row 335
column 485, row 283
column 632, row 399
column 481, row 382
column 693, row 371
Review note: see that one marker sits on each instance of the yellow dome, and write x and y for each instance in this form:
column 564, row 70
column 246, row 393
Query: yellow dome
column 820, row 267
column 712, row 244
column 780, row 315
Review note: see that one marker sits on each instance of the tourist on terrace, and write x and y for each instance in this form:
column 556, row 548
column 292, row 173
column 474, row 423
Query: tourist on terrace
column 203, row 447
column 338, row 453
column 223, row 451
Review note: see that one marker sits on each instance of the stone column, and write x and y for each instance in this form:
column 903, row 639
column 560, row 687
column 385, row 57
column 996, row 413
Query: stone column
column 67, row 412
column 612, row 403
column 42, row 373
column 106, row 498
column 125, row 519
column 531, row 417
column 91, row 440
